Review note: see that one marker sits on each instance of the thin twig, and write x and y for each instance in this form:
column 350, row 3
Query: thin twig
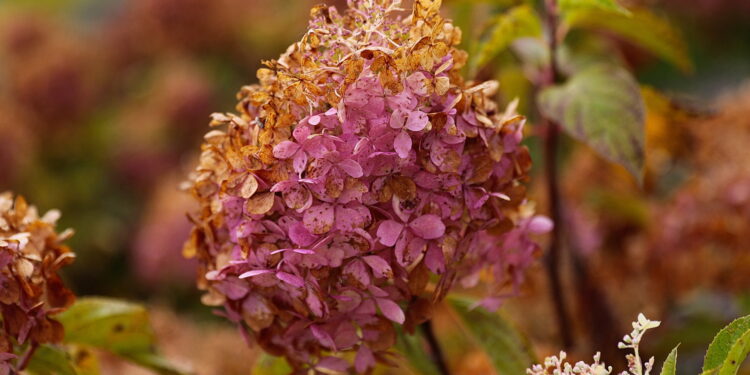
column 551, row 143
column 434, row 345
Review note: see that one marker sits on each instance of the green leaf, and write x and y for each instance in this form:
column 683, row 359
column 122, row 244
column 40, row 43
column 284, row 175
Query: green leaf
column 609, row 6
column 670, row 364
column 508, row 350
column 642, row 28
column 119, row 327
column 51, row 360
column 729, row 348
column 413, row 350
column 602, row 107
column 270, row 365
column 519, row 21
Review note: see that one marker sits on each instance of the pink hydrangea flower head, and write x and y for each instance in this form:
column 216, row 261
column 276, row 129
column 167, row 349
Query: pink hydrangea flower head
column 360, row 168
column 31, row 291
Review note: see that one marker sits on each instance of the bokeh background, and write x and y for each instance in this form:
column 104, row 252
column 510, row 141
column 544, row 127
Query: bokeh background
column 103, row 104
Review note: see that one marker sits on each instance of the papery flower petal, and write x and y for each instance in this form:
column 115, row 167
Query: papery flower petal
column 300, row 236
column 254, row 273
column 364, row 359
column 540, row 224
column 389, row 231
column 300, row 162
column 314, row 120
column 380, row 266
column 351, row 167
column 428, row 227
column 332, row 365
column 417, row 121
column 391, row 310
column 358, row 272
column 323, row 337
column 285, row 149
column 319, row 219
column 402, row 144
column 434, row 259
column 290, row 279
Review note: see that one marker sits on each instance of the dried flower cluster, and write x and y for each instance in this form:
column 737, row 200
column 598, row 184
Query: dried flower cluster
column 31, row 291
column 361, row 168
column 556, row 365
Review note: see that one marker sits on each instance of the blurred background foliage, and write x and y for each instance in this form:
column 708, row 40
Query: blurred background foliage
column 103, row 104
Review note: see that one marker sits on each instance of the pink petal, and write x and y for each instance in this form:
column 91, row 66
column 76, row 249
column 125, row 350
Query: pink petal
column 391, row 310
column 323, row 337
column 356, row 269
column 347, row 219
column 380, row 266
column 332, row 365
column 428, row 227
column 290, row 279
column 389, row 231
column 314, row 120
column 417, row 121
column 254, row 273
column 319, row 219
column 364, row 359
column 351, row 167
column 300, row 162
column 434, row 259
column 402, row 144
column 398, row 118
column 540, row 224
column 285, row 150
column 316, row 307
column 300, row 235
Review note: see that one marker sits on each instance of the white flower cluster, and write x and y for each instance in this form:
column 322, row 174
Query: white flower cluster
column 556, row 365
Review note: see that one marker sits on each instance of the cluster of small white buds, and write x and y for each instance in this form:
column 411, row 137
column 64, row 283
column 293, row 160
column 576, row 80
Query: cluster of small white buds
column 556, row 365
column 632, row 341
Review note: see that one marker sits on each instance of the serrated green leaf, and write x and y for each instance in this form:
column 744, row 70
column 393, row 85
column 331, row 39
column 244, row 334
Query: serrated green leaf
column 518, row 22
column 610, row 6
column 736, row 356
column 413, row 351
column 602, row 107
column 510, row 352
column 119, row 327
column 51, row 360
column 642, row 27
column 670, row 364
column 723, row 344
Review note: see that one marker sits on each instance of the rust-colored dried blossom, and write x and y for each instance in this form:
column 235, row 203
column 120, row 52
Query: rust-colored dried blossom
column 31, row 291
column 362, row 179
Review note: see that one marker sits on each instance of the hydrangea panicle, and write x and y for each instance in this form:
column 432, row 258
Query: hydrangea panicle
column 360, row 168
column 31, row 291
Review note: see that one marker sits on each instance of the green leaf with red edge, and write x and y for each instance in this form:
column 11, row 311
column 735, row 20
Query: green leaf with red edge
column 602, row 107
column 642, row 27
